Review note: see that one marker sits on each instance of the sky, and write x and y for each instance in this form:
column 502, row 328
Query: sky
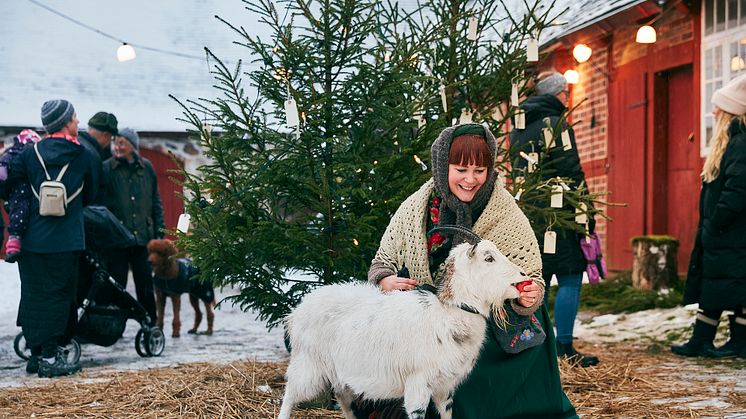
column 46, row 56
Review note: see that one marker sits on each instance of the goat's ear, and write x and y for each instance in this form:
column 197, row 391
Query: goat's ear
column 472, row 251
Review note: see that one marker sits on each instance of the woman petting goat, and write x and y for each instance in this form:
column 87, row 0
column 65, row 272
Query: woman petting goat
column 465, row 190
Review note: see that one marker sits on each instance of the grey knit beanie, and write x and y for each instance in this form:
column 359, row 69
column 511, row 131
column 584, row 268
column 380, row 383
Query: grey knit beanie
column 55, row 114
column 453, row 210
column 130, row 135
column 551, row 85
column 732, row 97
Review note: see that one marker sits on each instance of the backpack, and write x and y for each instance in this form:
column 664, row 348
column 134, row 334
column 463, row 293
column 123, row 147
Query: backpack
column 52, row 194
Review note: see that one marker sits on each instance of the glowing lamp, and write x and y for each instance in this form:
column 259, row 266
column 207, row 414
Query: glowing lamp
column 582, row 53
column 125, row 53
column 572, row 76
column 646, row 35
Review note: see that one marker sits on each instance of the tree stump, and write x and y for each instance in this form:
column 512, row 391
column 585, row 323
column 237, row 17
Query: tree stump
column 654, row 266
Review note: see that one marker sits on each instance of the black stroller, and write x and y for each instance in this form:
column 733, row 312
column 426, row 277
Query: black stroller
column 104, row 306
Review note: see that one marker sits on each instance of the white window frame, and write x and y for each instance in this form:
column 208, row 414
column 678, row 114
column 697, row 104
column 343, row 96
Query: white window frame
column 724, row 39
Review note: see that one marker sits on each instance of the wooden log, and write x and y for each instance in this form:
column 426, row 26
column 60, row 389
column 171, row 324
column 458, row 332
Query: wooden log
column 654, row 266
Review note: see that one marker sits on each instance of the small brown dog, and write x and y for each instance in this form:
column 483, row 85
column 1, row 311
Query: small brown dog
column 174, row 276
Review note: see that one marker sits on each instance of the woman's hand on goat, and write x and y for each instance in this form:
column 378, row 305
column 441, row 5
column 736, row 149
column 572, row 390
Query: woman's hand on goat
column 393, row 282
column 529, row 295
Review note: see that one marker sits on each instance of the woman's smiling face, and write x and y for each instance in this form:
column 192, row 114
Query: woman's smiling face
column 464, row 180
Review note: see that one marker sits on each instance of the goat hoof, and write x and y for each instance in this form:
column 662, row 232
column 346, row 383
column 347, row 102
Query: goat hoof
column 176, row 335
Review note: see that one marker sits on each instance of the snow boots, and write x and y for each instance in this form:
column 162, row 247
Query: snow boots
column 736, row 345
column 566, row 350
column 705, row 329
column 58, row 368
column 13, row 249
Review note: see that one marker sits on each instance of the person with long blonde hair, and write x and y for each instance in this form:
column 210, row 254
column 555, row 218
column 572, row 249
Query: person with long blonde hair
column 717, row 275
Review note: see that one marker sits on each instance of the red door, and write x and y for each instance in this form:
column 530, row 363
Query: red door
column 684, row 164
column 165, row 169
column 627, row 107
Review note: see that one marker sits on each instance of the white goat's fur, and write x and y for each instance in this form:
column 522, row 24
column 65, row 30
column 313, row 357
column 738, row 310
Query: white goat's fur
column 410, row 344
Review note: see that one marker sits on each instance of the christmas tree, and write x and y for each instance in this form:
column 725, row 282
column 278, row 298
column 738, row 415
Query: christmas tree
column 351, row 94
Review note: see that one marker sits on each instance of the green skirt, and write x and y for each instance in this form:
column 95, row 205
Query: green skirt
column 522, row 385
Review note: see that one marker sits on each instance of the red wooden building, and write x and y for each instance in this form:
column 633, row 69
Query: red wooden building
column 643, row 127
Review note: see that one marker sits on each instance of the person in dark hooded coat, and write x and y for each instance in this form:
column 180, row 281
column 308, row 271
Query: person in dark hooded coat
column 544, row 110
column 49, row 263
column 717, row 272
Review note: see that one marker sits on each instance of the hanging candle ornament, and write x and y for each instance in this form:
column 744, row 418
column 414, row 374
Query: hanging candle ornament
column 550, row 242
column 518, row 195
column 556, row 200
column 532, row 49
column 520, row 119
column 443, row 99
column 472, row 31
column 532, row 159
column 466, row 116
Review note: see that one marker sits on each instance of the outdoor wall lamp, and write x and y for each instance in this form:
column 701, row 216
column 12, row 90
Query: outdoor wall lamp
column 125, row 52
column 646, row 35
column 572, row 76
column 582, row 53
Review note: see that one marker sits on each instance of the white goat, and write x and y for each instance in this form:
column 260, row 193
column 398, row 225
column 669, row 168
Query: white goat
column 411, row 344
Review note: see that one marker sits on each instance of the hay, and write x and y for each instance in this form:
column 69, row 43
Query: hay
column 628, row 382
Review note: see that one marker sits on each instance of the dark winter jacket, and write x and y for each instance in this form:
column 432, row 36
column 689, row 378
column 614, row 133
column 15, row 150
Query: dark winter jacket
column 720, row 280
column 6, row 161
column 98, row 155
column 132, row 196
column 47, row 234
column 544, row 111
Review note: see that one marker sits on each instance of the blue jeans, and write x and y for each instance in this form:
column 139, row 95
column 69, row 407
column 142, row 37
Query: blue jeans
column 566, row 305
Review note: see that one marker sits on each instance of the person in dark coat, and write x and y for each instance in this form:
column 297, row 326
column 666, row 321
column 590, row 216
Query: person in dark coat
column 17, row 196
column 132, row 196
column 102, row 128
column 717, row 272
column 49, row 266
column 544, row 110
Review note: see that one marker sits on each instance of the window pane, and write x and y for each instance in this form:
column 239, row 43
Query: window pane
column 708, row 98
column 708, row 64
column 732, row 13
column 708, row 130
column 709, row 8
column 720, row 16
column 743, row 12
column 717, row 62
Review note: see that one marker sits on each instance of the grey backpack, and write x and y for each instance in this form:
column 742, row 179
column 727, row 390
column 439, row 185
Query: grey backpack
column 52, row 195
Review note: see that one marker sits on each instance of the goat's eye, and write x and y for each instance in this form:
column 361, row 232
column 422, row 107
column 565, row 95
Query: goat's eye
column 489, row 258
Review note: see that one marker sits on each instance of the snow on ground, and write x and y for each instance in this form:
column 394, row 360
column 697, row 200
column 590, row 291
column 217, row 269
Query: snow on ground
column 237, row 336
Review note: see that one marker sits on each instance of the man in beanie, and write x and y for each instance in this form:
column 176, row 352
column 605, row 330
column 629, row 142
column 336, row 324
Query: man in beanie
column 132, row 196
column 544, row 111
column 716, row 278
column 51, row 244
column 102, row 128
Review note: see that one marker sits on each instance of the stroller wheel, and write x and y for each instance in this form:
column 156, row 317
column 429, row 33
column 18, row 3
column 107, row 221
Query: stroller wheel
column 72, row 350
column 19, row 344
column 150, row 342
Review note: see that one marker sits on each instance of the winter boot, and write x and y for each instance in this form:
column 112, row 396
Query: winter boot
column 13, row 249
column 705, row 329
column 59, row 368
column 737, row 342
column 566, row 350
column 32, row 366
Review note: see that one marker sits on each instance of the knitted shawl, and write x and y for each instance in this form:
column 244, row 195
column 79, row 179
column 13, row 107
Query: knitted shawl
column 404, row 242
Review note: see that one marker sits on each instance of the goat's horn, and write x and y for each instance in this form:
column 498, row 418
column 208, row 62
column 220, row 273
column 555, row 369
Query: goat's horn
column 469, row 235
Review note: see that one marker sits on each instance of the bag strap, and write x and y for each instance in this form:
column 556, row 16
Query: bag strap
column 75, row 194
column 43, row 166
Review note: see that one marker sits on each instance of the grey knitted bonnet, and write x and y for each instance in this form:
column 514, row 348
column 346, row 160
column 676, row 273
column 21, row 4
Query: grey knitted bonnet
column 453, row 210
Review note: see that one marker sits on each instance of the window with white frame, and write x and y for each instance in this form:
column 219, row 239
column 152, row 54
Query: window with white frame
column 723, row 54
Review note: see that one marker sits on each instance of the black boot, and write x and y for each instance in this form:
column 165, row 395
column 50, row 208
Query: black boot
column 59, row 368
column 32, row 366
column 737, row 342
column 566, row 350
column 705, row 329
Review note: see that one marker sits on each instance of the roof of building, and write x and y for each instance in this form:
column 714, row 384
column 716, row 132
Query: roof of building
column 581, row 14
